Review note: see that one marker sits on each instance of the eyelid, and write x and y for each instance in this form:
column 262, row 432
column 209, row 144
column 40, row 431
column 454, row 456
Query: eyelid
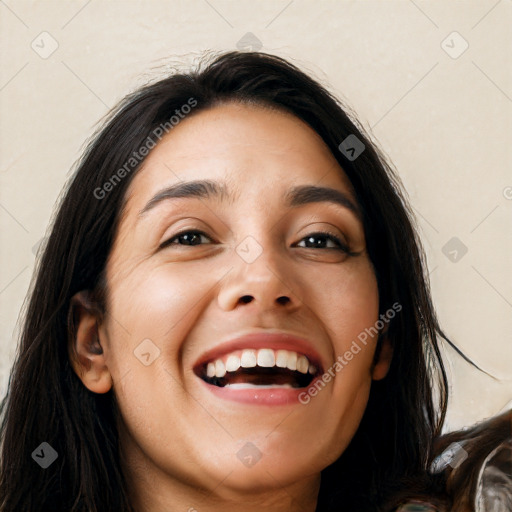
column 329, row 227
column 168, row 241
column 342, row 244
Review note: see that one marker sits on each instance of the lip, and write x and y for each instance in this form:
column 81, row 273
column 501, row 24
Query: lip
column 269, row 396
column 276, row 340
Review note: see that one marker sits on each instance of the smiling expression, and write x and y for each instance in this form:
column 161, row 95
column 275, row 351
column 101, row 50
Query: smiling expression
column 240, row 222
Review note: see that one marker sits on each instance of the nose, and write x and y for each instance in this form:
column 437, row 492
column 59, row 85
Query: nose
column 262, row 282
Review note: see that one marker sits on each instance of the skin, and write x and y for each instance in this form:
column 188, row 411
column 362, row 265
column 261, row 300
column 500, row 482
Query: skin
column 179, row 441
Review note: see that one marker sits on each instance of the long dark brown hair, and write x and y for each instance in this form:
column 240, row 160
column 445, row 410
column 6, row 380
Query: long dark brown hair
column 47, row 402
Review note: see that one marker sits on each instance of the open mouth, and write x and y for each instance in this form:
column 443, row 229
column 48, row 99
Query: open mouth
column 263, row 368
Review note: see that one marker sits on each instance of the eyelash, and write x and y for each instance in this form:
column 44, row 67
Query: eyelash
column 341, row 246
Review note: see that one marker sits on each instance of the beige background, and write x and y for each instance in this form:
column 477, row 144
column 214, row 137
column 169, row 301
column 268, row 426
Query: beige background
column 441, row 114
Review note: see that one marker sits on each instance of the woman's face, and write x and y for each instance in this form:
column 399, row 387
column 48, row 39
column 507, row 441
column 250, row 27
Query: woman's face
column 259, row 266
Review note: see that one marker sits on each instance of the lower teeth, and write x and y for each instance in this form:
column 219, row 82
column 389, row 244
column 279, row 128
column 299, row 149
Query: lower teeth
column 244, row 385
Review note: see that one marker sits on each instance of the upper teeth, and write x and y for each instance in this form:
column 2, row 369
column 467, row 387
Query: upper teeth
column 264, row 357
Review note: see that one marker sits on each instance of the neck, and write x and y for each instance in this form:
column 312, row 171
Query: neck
column 152, row 496
column 151, row 489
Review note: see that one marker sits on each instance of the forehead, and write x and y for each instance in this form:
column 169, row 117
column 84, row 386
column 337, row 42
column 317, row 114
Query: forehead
column 249, row 147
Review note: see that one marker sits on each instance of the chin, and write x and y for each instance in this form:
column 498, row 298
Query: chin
column 269, row 465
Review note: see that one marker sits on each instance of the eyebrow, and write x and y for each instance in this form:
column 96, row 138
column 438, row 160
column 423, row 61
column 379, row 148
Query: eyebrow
column 208, row 189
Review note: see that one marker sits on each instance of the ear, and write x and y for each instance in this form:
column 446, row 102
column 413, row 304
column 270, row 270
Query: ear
column 84, row 347
column 383, row 357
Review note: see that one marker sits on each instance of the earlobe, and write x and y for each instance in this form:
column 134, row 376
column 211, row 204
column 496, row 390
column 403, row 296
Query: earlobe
column 383, row 358
column 84, row 348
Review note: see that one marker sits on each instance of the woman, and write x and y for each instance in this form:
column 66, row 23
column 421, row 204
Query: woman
column 231, row 312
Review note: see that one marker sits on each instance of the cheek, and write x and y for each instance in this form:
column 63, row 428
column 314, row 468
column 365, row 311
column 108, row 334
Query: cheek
column 349, row 310
column 349, row 301
column 153, row 310
column 153, row 303
column 149, row 315
column 354, row 315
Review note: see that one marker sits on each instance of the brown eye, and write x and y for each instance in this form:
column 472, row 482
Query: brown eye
column 313, row 239
column 190, row 237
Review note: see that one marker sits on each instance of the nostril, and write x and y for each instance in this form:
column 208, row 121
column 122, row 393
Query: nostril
column 246, row 298
column 283, row 300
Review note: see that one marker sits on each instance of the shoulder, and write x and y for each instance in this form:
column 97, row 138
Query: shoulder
column 477, row 465
column 471, row 471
